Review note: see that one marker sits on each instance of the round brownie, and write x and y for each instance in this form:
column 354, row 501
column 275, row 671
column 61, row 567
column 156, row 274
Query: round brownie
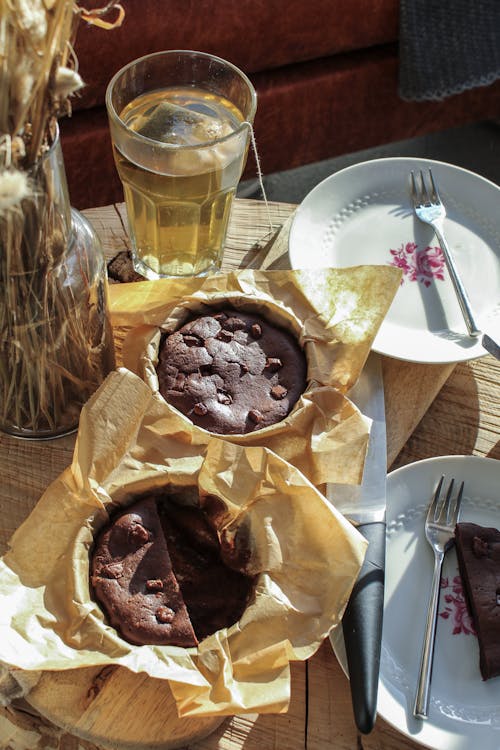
column 161, row 575
column 231, row 372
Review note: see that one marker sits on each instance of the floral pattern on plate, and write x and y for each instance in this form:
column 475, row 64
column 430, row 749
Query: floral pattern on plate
column 455, row 606
column 418, row 264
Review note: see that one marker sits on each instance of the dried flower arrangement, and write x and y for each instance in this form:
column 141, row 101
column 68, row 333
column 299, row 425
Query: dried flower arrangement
column 51, row 334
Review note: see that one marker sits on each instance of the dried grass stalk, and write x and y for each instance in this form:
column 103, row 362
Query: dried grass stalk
column 54, row 336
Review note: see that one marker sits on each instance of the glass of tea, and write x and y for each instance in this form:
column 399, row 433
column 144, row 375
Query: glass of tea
column 180, row 125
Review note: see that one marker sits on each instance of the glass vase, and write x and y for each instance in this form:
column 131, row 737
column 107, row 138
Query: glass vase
column 56, row 343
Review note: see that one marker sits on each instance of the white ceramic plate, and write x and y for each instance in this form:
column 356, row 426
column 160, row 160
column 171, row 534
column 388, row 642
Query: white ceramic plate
column 363, row 215
column 464, row 710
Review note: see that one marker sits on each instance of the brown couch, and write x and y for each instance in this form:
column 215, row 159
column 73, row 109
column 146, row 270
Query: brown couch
column 325, row 71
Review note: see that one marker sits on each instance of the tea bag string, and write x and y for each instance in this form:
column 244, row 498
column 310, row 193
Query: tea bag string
column 259, row 173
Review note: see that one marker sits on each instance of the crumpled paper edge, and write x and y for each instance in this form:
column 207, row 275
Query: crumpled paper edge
column 16, row 683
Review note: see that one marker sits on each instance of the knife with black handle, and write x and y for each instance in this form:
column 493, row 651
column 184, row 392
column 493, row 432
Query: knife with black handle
column 364, row 506
column 362, row 629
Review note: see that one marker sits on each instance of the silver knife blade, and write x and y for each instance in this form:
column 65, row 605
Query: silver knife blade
column 366, row 502
column 491, row 346
column 364, row 505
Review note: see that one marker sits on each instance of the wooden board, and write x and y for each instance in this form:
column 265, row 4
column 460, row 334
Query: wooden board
column 117, row 709
column 81, row 708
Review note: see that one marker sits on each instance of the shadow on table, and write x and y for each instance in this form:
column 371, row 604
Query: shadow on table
column 494, row 452
column 451, row 424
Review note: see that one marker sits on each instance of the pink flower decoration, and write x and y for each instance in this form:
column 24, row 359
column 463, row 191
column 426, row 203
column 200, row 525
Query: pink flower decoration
column 456, row 606
column 418, row 265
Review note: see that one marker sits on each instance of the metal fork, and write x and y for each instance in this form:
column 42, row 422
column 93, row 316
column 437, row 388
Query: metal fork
column 429, row 209
column 440, row 523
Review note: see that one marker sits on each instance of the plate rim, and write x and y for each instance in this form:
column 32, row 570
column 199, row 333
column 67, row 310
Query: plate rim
column 475, row 352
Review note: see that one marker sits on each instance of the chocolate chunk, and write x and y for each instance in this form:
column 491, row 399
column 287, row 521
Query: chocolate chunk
column 200, row 409
column 180, row 382
column 206, row 370
column 225, row 335
column 256, row 330
column 164, row 615
column 235, row 324
column 224, row 398
column 191, row 340
column 255, row 416
column 273, row 364
column 138, row 535
column 154, row 584
column 278, row 392
column 243, row 368
column 479, row 547
column 113, row 570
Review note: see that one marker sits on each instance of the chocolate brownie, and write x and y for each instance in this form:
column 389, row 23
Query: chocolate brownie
column 121, row 268
column 478, row 553
column 231, row 372
column 215, row 594
column 158, row 572
column 133, row 580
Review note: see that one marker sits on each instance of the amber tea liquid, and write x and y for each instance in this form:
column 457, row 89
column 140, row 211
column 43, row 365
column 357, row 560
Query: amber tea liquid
column 178, row 204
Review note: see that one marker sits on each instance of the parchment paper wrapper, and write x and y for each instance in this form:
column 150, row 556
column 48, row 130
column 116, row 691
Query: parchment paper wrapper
column 306, row 556
column 335, row 315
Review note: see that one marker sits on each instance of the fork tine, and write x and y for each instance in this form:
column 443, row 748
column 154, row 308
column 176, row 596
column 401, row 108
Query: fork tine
column 456, row 508
column 446, row 511
column 414, row 191
column 445, row 507
column 432, row 512
column 425, row 192
column 435, row 193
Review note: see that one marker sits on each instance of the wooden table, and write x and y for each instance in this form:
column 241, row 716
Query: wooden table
column 431, row 410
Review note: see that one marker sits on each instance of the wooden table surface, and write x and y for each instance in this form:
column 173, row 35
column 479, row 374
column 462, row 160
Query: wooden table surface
column 431, row 410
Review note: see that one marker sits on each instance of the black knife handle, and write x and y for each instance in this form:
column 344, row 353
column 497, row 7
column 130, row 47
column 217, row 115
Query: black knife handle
column 362, row 628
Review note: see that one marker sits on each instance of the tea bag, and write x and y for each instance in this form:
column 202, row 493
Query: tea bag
column 170, row 123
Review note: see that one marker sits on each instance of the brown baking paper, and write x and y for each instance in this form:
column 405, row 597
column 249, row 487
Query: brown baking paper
column 306, row 556
column 334, row 313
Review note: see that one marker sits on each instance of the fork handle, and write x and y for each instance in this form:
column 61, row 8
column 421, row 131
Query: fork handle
column 421, row 707
column 463, row 297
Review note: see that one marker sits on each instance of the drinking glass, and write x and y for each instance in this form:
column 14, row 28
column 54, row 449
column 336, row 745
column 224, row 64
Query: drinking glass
column 180, row 125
